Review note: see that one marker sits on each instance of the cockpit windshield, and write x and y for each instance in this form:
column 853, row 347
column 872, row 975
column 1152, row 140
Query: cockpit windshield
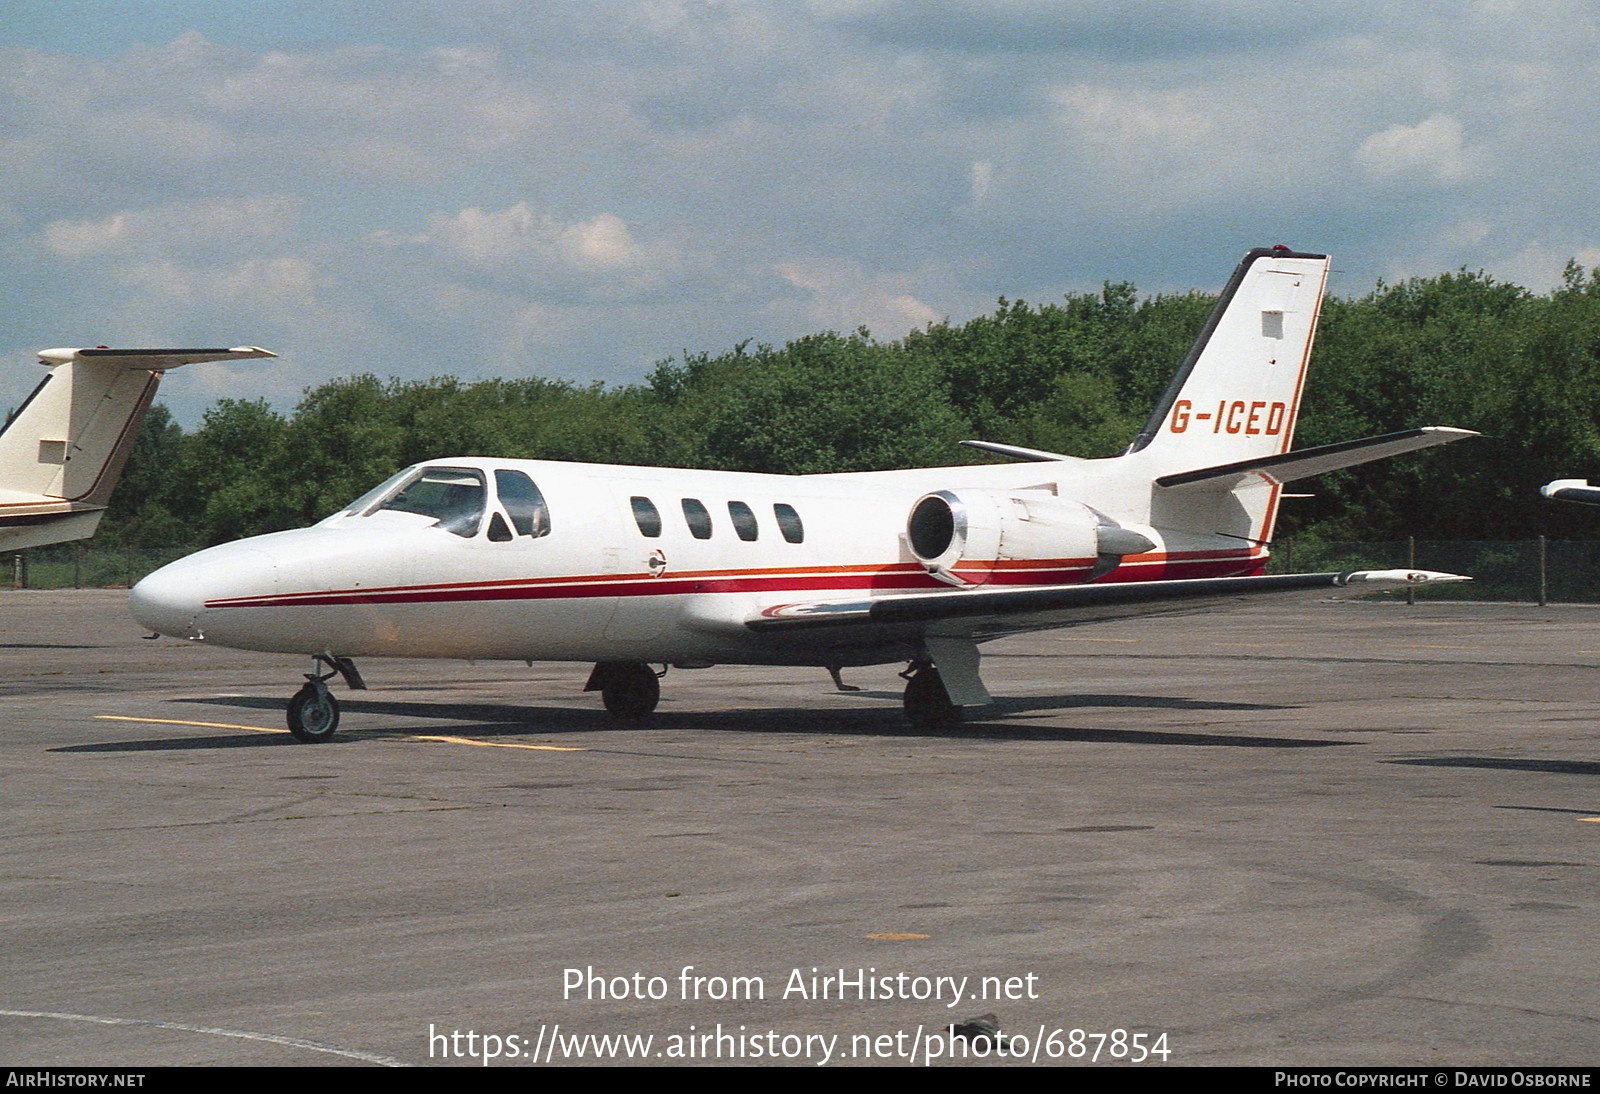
column 453, row 496
column 460, row 500
column 360, row 506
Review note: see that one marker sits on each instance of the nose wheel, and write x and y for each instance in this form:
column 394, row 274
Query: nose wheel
column 313, row 712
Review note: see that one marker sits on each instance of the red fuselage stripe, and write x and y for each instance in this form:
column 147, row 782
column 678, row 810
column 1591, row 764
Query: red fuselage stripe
column 841, row 579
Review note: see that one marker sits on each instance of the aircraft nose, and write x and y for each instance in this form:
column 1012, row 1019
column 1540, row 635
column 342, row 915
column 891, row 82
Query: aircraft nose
column 166, row 602
column 171, row 600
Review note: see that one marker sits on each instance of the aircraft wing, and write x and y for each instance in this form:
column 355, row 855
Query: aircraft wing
column 985, row 613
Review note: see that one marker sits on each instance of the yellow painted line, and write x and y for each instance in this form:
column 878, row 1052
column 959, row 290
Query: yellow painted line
column 1595, row 820
column 499, row 744
column 175, row 722
column 891, row 937
column 266, row 729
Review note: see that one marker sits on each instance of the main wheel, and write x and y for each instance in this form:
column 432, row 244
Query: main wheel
column 630, row 689
column 927, row 704
column 313, row 713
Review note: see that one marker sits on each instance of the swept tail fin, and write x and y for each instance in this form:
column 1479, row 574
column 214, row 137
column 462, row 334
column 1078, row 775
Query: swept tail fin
column 1217, row 446
column 1237, row 393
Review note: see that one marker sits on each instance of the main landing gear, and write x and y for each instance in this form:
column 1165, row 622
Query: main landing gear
column 629, row 689
column 927, row 704
column 314, row 712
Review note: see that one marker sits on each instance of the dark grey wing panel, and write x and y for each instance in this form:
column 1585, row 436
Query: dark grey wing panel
column 990, row 613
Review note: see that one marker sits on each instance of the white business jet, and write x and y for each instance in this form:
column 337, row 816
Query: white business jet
column 63, row 450
column 630, row 567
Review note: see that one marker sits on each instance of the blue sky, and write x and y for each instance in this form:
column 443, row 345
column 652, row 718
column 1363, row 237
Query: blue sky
column 578, row 190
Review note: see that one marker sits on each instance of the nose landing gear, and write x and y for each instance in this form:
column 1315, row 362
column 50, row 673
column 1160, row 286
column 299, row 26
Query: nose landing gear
column 314, row 712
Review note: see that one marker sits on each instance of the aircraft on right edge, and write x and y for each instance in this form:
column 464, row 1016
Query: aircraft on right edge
column 1577, row 490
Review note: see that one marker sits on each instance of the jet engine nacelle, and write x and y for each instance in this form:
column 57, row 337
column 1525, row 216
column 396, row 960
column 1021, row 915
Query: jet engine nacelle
column 969, row 537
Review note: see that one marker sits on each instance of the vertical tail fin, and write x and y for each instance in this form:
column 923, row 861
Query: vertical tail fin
column 1237, row 392
column 63, row 450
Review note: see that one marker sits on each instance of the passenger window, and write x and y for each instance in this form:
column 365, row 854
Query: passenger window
column 789, row 522
column 698, row 518
column 523, row 503
column 744, row 521
column 453, row 496
column 646, row 517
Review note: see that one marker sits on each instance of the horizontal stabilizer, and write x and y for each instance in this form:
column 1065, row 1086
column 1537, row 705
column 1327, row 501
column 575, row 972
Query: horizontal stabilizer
column 1314, row 461
column 152, row 359
column 1017, row 453
column 1577, row 490
column 987, row 612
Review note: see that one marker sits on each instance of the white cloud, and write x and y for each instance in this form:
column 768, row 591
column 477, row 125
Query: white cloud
column 1432, row 150
column 980, row 180
column 598, row 256
column 579, row 190
column 173, row 229
column 845, row 297
column 277, row 283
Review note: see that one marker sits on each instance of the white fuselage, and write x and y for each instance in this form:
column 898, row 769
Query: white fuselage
column 595, row 587
column 557, row 561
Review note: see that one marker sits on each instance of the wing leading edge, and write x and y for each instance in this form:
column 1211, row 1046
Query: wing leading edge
column 990, row 613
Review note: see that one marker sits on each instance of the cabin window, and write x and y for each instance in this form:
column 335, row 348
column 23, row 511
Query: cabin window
column 744, row 521
column 789, row 522
column 453, row 496
column 646, row 516
column 499, row 530
column 523, row 503
column 697, row 517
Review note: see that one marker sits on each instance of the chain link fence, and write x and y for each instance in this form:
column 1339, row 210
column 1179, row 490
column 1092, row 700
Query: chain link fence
column 83, row 566
column 1533, row 570
column 1538, row 570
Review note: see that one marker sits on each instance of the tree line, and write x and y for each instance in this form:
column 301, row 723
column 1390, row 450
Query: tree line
column 1077, row 376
